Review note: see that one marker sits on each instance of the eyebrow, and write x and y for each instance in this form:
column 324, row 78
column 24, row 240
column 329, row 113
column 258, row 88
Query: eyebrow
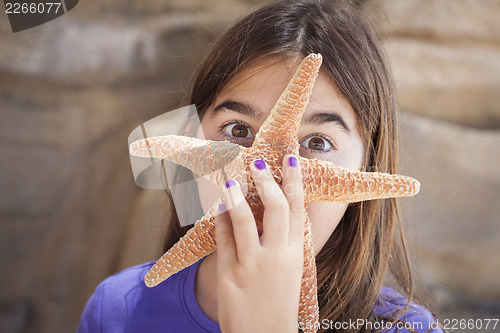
column 247, row 110
column 238, row 107
column 326, row 117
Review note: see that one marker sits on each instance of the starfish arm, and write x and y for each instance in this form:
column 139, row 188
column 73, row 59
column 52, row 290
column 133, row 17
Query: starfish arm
column 308, row 306
column 324, row 181
column 279, row 130
column 235, row 170
column 197, row 243
column 200, row 156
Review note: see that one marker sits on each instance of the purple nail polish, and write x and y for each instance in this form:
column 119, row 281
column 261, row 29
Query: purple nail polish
column 292, row 161
column 230, row 183
column 260, row 164
column 222, row 208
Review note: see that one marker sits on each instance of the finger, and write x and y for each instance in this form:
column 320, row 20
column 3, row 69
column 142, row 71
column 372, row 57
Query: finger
column 294, row 192
column 224, row 237
column 275, row 223
column 243, row 222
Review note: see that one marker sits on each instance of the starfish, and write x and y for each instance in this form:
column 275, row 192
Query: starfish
column 277, row 137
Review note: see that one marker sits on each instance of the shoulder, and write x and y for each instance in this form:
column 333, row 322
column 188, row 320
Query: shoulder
column 123, row 300
column 108, row 302
column 121, row 289
column 391, row 305
column 123, row 282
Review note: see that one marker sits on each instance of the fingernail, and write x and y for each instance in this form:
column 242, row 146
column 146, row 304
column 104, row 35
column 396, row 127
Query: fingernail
column 292, row 161
column 260, row 164
column 222, row 208
column 230, row 183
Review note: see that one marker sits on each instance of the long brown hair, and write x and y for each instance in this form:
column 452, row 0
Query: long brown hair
column 368, row 241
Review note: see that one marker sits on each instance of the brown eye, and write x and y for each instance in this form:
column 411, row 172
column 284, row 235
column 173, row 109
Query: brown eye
column 317, row 143
column 239, row 131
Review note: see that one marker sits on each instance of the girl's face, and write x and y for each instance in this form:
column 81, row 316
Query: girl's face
column 328, row 129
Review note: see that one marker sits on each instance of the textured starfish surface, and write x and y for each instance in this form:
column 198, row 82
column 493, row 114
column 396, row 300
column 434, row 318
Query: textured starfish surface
column 277, row 137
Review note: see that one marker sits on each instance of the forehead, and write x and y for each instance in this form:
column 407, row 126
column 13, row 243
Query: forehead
column 261, row 84
column 272, row 72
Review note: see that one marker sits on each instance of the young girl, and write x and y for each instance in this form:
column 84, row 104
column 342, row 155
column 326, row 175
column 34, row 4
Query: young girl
column 252, row 282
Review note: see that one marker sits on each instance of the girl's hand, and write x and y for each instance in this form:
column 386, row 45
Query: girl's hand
column 258, row 280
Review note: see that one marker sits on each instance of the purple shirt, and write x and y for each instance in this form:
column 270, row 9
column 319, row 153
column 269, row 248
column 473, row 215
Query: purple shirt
column 123, row 303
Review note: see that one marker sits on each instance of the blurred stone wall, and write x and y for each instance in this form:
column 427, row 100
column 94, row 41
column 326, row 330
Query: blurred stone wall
column 71, row 91
column 446, row 62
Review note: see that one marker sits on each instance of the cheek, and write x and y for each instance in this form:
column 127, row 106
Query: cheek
column 205, row 130
column 208, row 193
column 324, row 217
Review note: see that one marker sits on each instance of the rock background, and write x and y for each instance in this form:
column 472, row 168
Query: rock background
column 71, row 91
column 446, row 61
